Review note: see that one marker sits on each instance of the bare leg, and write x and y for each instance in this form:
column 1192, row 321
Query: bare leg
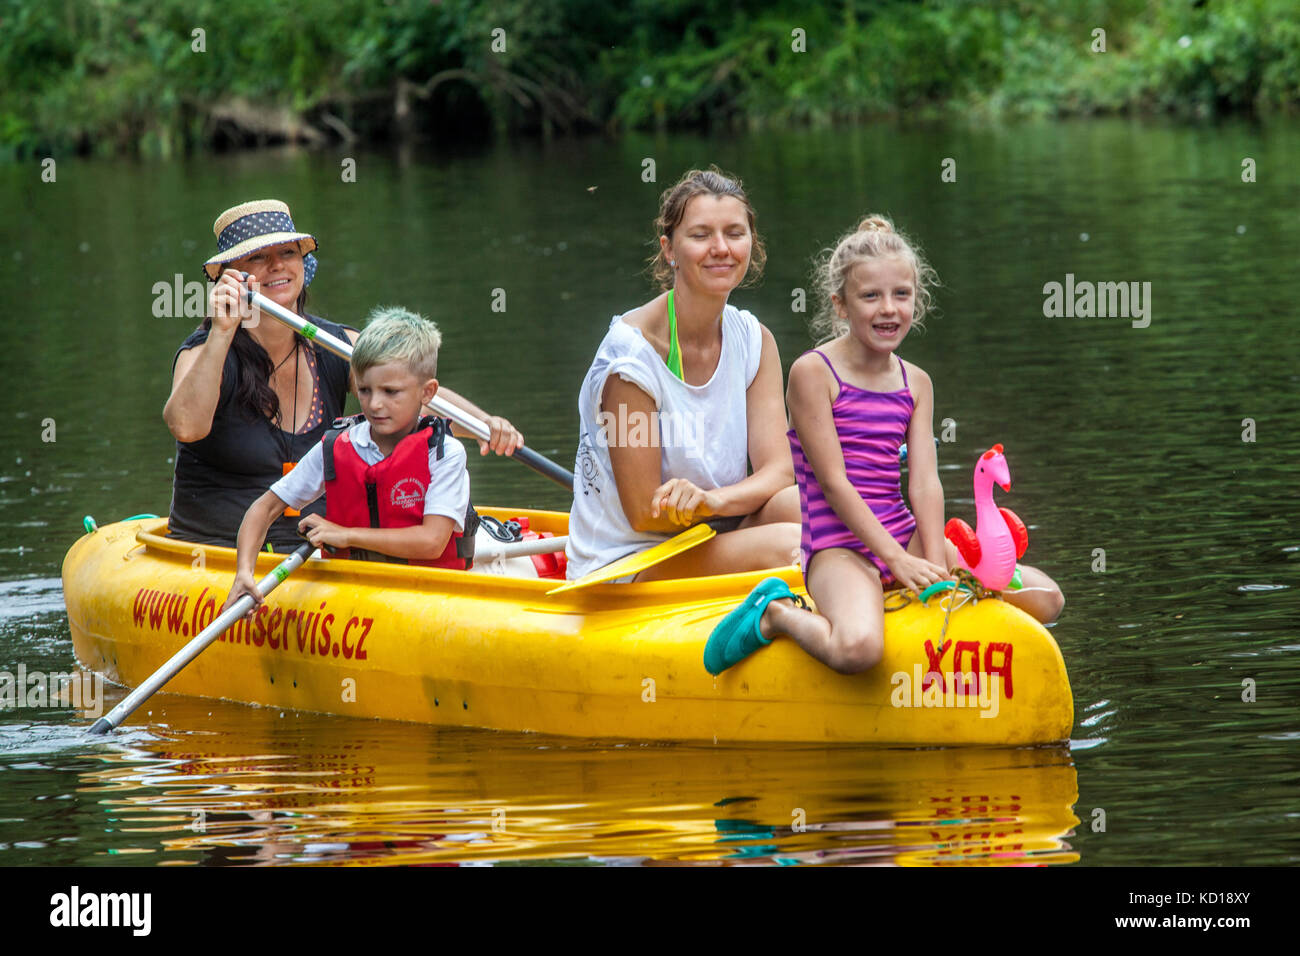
column 849, row 634
column 768, row 538
column 1040, row 596
column 745, row 549
column 1045, row 604
column 782, row 506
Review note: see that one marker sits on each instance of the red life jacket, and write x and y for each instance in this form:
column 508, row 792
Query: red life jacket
column 389, row 493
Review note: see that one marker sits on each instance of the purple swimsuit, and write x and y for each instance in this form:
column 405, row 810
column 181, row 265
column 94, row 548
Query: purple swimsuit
column 871, row 426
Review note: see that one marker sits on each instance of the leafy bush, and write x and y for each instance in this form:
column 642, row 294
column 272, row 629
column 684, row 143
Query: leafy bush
column 120, row 75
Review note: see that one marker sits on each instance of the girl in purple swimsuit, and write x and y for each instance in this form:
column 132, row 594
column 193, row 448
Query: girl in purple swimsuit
column 852, row 403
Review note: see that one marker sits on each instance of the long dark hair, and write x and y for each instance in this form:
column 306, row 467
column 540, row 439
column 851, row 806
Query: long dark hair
column 254, row 396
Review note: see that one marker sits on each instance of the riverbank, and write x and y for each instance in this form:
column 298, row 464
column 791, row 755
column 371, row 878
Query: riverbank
column 166, row 77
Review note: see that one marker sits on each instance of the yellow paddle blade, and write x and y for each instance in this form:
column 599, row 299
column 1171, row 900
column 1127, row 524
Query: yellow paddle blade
column 636, row 563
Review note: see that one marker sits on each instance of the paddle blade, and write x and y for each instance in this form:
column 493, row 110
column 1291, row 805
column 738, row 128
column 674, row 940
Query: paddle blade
column 636, row 563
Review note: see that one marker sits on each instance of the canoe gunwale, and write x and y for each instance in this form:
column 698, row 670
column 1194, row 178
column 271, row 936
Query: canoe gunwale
column 151, row 536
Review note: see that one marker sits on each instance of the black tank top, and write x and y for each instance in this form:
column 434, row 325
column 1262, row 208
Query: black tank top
column 219, row 476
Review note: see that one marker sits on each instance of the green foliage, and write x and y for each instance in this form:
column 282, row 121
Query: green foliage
column 121, row 75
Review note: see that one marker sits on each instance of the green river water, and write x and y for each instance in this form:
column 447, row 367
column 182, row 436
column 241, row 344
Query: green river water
column 1132, row 440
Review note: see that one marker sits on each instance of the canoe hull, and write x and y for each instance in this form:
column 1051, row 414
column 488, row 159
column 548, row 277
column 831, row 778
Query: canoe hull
column 617, row 661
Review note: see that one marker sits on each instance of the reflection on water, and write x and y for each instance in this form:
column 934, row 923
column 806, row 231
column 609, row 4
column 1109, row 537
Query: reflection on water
column 255, row 787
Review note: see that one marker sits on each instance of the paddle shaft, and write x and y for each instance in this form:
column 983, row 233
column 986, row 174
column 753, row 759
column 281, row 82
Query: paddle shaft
column 519, row 549
column 342, row 348
column 194, row 648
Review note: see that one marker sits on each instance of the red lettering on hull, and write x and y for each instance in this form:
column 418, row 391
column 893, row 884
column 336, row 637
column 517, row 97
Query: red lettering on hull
column 272, row 628
column 933, row 666
column 1003, row 668
column 160, row 610
column 966, row 659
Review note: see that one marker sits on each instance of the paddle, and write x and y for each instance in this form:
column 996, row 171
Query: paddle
column 440, row 406
column 194, row 648
column 519, row 549
column 635, row 563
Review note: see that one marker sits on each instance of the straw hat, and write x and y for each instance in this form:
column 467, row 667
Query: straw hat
column 243, row 229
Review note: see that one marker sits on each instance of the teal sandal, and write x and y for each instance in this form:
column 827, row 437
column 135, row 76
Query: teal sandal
column 737, row 635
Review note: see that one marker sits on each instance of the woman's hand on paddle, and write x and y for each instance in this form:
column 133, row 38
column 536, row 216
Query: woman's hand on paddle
column 683, row 502
column 245, row 583
column 915, row 573
column 227, row 307
column 505, row 437
column 322, row 533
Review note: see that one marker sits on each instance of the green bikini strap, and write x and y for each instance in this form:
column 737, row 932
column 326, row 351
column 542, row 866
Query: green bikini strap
column 674, row 361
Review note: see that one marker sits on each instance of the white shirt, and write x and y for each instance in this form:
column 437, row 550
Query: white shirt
column 702, row 431
column 447, row 494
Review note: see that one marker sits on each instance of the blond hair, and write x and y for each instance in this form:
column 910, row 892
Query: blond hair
column 875, row 238
column 672, row 209
column 394, row 334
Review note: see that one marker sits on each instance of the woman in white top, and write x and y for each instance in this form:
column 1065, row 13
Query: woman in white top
column 684, row 396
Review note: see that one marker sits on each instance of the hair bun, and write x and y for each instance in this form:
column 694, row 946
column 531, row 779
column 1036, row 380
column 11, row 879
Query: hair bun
column 875, row 224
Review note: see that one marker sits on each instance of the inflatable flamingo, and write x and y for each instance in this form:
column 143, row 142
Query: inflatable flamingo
column 990, row 551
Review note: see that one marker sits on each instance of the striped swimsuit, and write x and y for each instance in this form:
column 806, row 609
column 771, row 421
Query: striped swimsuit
column 871, row 426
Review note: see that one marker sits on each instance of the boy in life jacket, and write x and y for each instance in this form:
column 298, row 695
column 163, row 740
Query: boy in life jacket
column 395, row 484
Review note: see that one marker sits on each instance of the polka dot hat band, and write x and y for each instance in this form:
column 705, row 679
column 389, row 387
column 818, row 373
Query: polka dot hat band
column 243, row 229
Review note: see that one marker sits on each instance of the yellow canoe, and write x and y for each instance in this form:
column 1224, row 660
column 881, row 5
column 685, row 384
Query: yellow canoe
column 614, row 660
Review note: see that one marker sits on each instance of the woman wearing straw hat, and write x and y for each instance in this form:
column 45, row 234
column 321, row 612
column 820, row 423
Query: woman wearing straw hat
column 250, row 397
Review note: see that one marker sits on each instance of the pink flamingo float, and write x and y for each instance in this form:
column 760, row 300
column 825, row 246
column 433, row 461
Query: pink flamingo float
column 990, row 552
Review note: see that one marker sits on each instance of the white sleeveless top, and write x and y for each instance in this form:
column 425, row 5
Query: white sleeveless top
column 702, row 432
